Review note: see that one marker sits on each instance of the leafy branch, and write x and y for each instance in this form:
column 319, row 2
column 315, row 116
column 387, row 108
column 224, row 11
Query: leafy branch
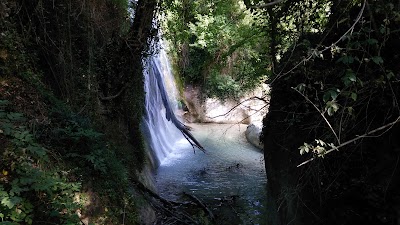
column 316, row 52
column 388, row 126
column 321, row 113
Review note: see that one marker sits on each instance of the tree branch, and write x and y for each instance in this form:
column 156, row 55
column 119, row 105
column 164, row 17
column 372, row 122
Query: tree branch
column 306, row 59
column 390, row 125
column 202, row 205
column 240, row 103
column 321, row 113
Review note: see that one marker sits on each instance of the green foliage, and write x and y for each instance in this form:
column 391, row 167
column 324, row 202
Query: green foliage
column 225, row 43
column 358, row 69
column 30, row 179
column 30, row 191
column 65, row 54
column 193, row 73
column 121, row 4
column 222, row 86
column 289, row 21
column 319, row 149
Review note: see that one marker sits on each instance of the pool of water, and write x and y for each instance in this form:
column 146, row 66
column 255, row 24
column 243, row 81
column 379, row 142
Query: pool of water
column 229, row 178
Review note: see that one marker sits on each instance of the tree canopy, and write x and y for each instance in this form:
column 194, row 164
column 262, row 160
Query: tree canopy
column 220, row 45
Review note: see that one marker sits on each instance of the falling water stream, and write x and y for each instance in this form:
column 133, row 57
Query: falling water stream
column 229, row 178
column 160, row 133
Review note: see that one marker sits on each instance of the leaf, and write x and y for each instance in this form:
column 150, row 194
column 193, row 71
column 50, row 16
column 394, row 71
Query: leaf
column 27, row 180
column 389, row 75
column 319, row 150
column 346, row 59
column 350, row 110
column 349, row 78
column 17, row 215
column 10, row 202
column 382, row 29
column 28, row 220
column 372, row 41
column 352, row 77
column 304, row 148
column 330, row 94
column 16, row 190
column 4, row 102
column 301, row 87
column 36, row 150
column 342, row 20
column 320, row 142
column 353, row 96
column 377, row 59
column 331, row 107
column 15, row 116
column 330, row 111
column 54, row 213
column 331, row 145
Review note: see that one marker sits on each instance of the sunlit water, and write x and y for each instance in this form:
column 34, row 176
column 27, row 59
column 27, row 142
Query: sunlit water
column 159, row 132
column 231, row 171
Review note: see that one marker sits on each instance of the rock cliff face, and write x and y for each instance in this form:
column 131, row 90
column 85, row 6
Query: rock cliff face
column 248, row 109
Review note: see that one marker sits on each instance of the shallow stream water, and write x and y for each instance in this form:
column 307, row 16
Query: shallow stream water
column 229, row 178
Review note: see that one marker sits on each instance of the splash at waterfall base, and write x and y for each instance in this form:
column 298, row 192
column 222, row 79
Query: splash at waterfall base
column 229, row 179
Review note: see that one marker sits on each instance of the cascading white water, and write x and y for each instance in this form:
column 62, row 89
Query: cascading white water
column 161, row 134
column 231, row 168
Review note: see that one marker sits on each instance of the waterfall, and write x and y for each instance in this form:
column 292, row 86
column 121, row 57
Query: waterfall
column 161, row 102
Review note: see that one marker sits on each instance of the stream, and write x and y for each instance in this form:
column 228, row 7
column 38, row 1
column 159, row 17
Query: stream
column 229, row 178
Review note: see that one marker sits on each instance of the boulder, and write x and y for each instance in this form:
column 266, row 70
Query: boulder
column 253, row 133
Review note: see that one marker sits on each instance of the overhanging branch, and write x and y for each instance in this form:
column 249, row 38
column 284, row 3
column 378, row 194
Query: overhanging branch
column 239, row 104
column 388, row 126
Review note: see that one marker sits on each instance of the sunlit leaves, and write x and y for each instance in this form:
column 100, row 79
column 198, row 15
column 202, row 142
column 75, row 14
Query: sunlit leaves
column 10, row 202
column 305, row 148
column 319, row 148
column 211, row 32
column 23, row 178
column 331, row 107
column 227, row 44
